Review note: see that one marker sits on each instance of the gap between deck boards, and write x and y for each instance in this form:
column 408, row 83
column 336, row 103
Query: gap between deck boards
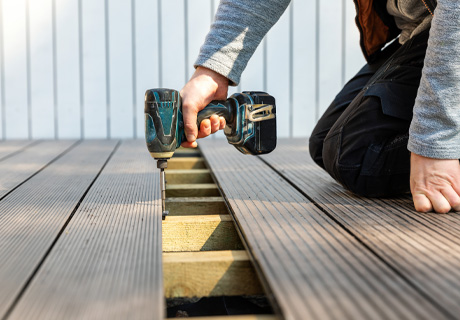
column 203, row 254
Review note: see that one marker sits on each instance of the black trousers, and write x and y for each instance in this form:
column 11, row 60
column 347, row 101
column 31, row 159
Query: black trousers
column 361, row 139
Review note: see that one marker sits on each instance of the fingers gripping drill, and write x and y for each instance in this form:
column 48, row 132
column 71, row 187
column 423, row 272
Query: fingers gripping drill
column 250, row 125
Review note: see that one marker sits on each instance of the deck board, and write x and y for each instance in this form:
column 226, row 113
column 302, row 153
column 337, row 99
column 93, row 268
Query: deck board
column 33, row 215
column 423, row 247
column 107, row 264
column 9, row 148
column 20, row 166
column 312, row 266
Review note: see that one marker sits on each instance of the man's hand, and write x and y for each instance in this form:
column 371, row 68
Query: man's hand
column 435, row 184
column 204, row 86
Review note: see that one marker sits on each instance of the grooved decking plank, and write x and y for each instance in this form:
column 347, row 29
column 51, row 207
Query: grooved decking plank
column 423, row 247
column 32, row 216
column 314, row 269
column 21, row 166
column 9, row 148
column 107, row 264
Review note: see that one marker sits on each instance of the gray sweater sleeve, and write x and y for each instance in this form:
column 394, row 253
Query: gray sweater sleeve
column 435, row 127
column 239, row 27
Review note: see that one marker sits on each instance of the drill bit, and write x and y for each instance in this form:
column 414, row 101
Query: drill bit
column 162, row 164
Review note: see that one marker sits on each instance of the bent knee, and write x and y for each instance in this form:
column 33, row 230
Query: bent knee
column 373, row 172
column 315, row 146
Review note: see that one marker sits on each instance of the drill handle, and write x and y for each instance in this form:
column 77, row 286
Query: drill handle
column 221, row 108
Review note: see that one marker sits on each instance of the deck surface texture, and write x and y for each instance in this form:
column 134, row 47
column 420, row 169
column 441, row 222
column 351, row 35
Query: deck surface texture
column 80, row 235
column 80, row 231
column 323, row 253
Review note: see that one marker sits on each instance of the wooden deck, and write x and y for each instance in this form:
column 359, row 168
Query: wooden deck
column 81, row 236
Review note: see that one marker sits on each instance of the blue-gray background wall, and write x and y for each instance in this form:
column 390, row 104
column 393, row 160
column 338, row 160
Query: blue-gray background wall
column 79, row 68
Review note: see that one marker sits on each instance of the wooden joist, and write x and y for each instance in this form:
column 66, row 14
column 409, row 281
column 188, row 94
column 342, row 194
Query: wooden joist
column 312, row 267
column 188, row 176
column 242, row 317
column 200, row 233
column 186, row 163
column 180, row 206
column 192, row 190
column 209, row 273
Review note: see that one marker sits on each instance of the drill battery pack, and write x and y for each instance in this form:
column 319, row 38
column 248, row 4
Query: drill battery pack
column 253, row 130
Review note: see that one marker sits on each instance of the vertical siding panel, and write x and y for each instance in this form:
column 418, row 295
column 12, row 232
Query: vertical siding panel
column 354, row 57
column 199, row 22
column 15, row 57
column 94, row 69
column 133, row 68
column 107, row 67
column 252, row 78
column 41, row 69
column 28, row 87
column 304, row 67
column 54, row 57
column 2, row 76
column 120, row 65
column 67, row 73
column 213, row 4
column 291, row 70
column 173, row 54
column 147, row 49
column 160, row 41
column 277, row 64
column 343, row 41
column 139, row 58
column 330, row 81
column 81, row 69
column 186, row 40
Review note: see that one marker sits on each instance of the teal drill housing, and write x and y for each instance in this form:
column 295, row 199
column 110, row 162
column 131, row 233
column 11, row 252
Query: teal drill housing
column 250, row 121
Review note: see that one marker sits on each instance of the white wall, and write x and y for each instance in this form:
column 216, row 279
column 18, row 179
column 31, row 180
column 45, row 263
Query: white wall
column 79, row 68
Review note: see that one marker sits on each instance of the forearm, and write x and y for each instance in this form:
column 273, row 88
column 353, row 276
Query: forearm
column 239, row 28
column 435, row 128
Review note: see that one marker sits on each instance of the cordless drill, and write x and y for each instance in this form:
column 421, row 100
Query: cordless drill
column 250, row 125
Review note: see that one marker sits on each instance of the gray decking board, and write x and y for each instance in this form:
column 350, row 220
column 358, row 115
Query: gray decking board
column 15, row 169
column 424, row 248
column 33, row 215
column 9, row 148
column 313, row 268
column 107, row 264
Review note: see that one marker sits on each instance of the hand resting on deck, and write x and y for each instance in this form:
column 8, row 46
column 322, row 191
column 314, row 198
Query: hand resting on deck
column 435, row 184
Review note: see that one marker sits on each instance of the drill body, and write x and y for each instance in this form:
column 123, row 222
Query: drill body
column 250, row 121
column 250, row 124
